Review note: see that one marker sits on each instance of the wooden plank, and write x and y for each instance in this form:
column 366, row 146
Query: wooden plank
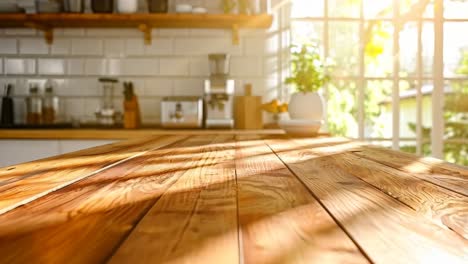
column 93, row 216
column 42, row 177
column 195, row 221
column 123, row 133
column 134, row 20
column 387, row 230
column 449, row 176
column 280, row 220
column 446, row 208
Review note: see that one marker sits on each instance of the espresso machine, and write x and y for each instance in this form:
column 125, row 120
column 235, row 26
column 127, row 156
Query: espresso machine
column 219, row 93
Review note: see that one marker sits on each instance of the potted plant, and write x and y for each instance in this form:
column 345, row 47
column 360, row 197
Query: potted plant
column 309, row 74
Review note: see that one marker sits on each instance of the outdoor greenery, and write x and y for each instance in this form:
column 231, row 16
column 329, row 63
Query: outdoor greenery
column 308, row 72
column 342, row 93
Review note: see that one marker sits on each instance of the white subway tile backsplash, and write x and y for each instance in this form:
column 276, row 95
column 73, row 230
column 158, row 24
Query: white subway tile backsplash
column 114, row 47
column 74, row 107
column 111, row 32
column 255, row 46
column 159, row 46
column 204, row 46
column 82, row 87
column 135, row 46
column 73, row 32
column 158, row 87
column 33, row 46
column 60, row 47
column 8, row 46
column 20, row 32
column 199, row 66
column 87, row 47
column 164, row 32
column 173, row 67
column 114, row 67
column 189, row 87
column 20, row 66
column 176, row 63
column 76, row 66
column 246, row 66
column 51, row 66
column 95, row 67
column 140, row 67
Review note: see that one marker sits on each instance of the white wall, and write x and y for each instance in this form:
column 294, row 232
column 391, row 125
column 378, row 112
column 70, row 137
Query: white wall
column 175, row 64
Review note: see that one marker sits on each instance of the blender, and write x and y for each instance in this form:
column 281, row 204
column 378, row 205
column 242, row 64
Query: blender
column 106, row 115
column 219, row 93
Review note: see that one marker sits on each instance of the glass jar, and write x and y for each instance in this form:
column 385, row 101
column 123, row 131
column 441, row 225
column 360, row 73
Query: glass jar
column 33, row 106
column 158, row 6
column 102, row 6
column 50, row 105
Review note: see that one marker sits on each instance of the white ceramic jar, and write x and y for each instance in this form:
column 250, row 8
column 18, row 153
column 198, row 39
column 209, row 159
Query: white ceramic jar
column 127, row 6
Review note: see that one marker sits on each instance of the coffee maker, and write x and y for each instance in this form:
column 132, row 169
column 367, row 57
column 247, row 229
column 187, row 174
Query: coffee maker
column 219, row 93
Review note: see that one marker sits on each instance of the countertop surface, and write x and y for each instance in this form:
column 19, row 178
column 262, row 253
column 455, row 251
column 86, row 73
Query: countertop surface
column 122, row 133
column 234, row 199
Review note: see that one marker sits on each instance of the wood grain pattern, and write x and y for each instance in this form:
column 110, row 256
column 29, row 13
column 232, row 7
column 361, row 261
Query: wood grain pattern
column 196, row 220
column 97, row 212
column 445, row 207
column 123, row 133
column 37, row 179
column 169, row 20
column 280, row 221
column 449, row 176
column 387, row 230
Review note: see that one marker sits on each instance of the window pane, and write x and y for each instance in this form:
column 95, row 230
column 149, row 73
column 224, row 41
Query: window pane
column 428, row 49
column 306, row 32
column 344, row 8
column 455, row 9
column 379, row 49
column 414, row 9
column 307, row 8
column 378, row 8
column 346, row 57
column 409, row 50
column 455, row 45
column 456, row 119
column 378, row 109
column 342, row 108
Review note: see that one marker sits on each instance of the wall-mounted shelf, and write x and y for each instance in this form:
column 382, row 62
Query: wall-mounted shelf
column 143, row 22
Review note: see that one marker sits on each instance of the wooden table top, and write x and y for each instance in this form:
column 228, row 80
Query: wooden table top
column 234, row 199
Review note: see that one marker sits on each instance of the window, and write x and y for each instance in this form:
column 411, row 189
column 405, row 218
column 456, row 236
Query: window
column 383, row 77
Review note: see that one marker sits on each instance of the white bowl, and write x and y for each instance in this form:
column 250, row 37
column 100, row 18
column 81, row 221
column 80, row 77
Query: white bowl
column 199, row 10
column 301, row 127
column 183, row 8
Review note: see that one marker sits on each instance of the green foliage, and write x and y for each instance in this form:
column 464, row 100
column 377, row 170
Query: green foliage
column 309, row 73
column 228, row 6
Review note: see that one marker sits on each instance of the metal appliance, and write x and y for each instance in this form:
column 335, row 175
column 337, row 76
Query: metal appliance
column 182, row 112
column 219, row 93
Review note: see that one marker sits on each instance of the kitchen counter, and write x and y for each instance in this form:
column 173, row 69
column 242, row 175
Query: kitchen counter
column 120, row 133
column 234, row 199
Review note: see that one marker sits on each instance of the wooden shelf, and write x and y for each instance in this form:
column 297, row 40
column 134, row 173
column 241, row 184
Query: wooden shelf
column 143, row 22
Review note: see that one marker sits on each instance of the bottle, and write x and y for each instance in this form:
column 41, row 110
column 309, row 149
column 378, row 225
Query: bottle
column 7, row 107
column 34, row 106
column 50, row 104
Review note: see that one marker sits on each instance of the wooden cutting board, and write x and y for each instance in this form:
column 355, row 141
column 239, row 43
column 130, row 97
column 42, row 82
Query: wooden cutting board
column 248, row 111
